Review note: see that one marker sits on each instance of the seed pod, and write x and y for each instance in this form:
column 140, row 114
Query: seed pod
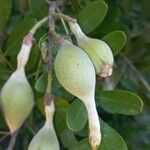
column 46, row 138
column 76, row 74
column 98, row 51
column 17, row 98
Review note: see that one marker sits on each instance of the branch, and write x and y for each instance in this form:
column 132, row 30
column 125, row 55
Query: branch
column 48, row 59
column 4, row 132
column 12, row 140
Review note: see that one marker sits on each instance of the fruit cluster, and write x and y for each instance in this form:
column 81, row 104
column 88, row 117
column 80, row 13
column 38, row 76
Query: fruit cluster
column 79, row 65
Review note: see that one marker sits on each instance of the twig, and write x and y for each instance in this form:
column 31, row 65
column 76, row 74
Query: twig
column 64, row 25
column 6, row 61
column 38, row 69
column 31, row 130
column 3, row 138
column 33, row 74
column 48, row 2
column 12, row 140
column 52, row 10
column 138, row 74
column 65, row 17
column 38, row 25
column 4, row 132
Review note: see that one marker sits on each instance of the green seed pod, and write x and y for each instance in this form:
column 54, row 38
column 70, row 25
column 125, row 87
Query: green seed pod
column 46, row 138
column 16, row 98
column 76, row 74
column 98, row 51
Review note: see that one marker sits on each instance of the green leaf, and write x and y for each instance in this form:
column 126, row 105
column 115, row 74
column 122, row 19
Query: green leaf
column 111, row 23
column 41, row 83
column 5, row 10
column 14, row 42
column 119, row 101
column 111, row 140
column 92, row 15
column 116, row 40
column 61, row 102
column 38, row 8
column 33, row 57
column 68, row 139
column 40, row 104
column 82, row 145
column 76, row 116
column 60, row 120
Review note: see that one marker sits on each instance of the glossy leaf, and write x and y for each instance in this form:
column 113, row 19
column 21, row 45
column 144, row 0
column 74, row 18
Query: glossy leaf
column 14, row 42
column 38, row 8
column 76, row 116
column 110, row 23
column 60, row 120
column 111, row 140
column 92, row 15
column 61, row 102
column 116, row 40
column 68, row 139
column 41, row 83
column 40, row 104
column 33, row 57
column 82, row 145
column 119, row 101
column 5, row 10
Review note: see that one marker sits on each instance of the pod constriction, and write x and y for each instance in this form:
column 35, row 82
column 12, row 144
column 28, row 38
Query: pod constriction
column 17, row 98
column 76, row 74
column 46, row 138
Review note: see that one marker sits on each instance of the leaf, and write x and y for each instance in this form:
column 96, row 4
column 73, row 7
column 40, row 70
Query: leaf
column 111, row 140
column 111, row 23
column 82, row 145
column 92, row 15
column 68, row 139
column 33, row 57
column 41, row 83
column 14, row 42
column 76, row 116
column 5, row 10
column 116, row 40
column 61, row 102
column 119, row 101
column 60, row 120
column 38, row 8
column 40, row 104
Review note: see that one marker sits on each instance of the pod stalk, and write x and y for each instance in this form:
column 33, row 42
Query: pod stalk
column 49, row 111
column 94, row 123
column 76, row 30
column 24, row 53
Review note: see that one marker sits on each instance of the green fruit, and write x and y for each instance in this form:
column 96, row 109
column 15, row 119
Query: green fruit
column 98, row 51
column 17, row 100
column 76, row 74
column 74, row 70
column 45, row 139
column 100, row 54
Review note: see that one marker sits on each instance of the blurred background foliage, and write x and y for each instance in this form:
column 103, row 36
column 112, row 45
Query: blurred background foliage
column 131, row 71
